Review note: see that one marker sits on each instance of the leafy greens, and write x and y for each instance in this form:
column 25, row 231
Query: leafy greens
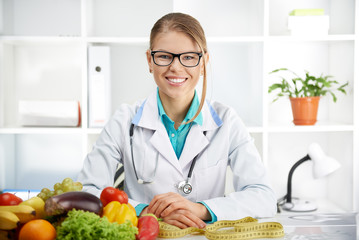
column 82, row 225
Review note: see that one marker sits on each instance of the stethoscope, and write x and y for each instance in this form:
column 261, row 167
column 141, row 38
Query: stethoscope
column 183, row 186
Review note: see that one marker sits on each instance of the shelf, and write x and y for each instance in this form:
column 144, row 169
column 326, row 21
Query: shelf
column 318, row 127
column 145, row 40
column 329, row 38
column 251, row 129
column 20, row 40
column 239, row 39
column 41, row 130
column 122, row 40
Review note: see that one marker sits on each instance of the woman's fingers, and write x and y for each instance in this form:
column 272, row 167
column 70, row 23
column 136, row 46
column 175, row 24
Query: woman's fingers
column 166, row 204
column 183, row 219
column 162, row 201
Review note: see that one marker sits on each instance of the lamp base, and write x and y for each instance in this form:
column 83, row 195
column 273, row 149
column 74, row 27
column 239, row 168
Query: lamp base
column 298, row 205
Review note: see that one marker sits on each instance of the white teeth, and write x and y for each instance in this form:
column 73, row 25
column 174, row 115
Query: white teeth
column 176, row 80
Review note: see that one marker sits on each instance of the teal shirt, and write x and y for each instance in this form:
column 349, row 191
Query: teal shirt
column 178, row 138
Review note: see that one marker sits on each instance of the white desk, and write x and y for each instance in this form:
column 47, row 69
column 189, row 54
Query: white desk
column 312, row 226
column 318, row 225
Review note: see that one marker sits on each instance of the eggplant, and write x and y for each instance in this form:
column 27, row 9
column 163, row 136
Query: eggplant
column 61, row 204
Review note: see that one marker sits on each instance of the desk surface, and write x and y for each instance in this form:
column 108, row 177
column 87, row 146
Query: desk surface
column 322, row 226
column 298, row 226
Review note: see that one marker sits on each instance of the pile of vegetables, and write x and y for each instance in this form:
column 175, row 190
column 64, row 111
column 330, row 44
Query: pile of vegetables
column 83, row 216
column 107, row 217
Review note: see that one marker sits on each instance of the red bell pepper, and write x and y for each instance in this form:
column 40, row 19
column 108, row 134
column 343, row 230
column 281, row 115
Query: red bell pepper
column 148, row 227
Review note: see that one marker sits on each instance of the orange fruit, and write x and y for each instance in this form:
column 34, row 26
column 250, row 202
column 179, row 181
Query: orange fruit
column 38, row 229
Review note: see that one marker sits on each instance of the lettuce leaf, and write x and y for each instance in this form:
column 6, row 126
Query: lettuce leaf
column 82, row 225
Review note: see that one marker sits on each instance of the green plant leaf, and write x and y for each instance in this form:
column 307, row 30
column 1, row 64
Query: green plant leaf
column 274, row 87
column 334, row 97
column 279, row 69
column 309, row 86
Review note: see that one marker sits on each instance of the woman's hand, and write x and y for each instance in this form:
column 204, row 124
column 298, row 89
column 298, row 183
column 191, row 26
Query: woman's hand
column 180, row 218
column 172, row 206
column 183, row 219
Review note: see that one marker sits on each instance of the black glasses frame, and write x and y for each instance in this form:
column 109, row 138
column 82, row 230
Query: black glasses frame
column 174, row 56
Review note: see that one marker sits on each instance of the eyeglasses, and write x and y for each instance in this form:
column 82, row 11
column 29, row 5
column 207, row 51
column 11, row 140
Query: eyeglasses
column 187, row 59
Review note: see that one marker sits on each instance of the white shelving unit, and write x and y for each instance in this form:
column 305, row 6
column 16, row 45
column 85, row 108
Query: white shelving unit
column 43, row 55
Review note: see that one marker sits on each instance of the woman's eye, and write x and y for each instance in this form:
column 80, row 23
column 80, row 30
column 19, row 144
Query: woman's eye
column 164, row 56
column 188, row 57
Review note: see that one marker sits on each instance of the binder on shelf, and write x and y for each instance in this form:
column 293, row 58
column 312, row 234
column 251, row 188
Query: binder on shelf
column 36, row 113
column 99, row 95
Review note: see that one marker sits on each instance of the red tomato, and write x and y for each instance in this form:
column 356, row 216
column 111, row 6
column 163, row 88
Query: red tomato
column 110, row 194
column 148, row 227
column 7, row 199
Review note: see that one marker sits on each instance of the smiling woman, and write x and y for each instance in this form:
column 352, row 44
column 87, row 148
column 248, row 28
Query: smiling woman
column 175, row 61
column 181, row 33
column 182, row 144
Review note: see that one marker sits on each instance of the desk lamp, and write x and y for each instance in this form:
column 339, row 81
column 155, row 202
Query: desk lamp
column 322, row 166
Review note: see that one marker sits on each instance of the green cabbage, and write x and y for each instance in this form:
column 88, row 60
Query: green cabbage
column 82, row 225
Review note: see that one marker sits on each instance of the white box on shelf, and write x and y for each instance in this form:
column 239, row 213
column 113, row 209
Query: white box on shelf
column 99, row 93
column 308, row 25
column 49, row 113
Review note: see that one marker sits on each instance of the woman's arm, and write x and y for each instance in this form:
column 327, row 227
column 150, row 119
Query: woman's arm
column 99, row 167
column 253, row 195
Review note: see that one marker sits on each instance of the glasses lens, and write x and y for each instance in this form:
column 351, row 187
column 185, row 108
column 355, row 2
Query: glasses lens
column 162, row 58
column 190, row 59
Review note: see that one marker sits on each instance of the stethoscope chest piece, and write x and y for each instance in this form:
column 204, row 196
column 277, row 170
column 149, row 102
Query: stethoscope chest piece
column 185, row 187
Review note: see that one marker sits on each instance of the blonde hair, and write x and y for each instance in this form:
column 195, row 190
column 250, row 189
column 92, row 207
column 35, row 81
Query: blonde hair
column 189, row 25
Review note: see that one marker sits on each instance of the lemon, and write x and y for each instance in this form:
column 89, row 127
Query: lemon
column 38, row 204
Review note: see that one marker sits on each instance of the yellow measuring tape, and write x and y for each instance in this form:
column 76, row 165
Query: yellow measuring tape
column 245, row 228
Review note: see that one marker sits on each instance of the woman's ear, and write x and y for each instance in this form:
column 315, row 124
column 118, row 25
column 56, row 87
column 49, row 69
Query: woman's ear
column 149, row 60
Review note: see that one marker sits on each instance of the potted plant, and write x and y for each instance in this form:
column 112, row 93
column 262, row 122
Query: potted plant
column 304, row 93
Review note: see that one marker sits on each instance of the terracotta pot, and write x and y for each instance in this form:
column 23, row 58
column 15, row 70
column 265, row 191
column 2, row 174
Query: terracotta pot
column 305, row 110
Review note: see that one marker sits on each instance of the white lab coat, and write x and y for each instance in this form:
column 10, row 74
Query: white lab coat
column 226, row 142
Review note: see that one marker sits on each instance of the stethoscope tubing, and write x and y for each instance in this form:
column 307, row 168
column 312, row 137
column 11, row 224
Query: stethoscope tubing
column 141, row 181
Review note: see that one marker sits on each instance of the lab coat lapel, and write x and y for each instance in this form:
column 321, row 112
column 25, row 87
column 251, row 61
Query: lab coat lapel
column 163, row 145
column 195, row 143
column 150, row 119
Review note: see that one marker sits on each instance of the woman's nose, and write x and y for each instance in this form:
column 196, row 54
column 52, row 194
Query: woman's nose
column 176, row 63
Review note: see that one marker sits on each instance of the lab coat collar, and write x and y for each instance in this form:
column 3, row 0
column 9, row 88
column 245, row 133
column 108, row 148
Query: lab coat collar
column 149, row 111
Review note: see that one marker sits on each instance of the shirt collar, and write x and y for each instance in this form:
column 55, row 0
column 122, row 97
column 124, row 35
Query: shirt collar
column 191, row 112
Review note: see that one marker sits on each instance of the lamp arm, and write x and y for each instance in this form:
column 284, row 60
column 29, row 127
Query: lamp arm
column 289, row 184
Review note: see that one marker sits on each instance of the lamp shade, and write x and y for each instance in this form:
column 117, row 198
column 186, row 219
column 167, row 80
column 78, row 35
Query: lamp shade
column 322, row 164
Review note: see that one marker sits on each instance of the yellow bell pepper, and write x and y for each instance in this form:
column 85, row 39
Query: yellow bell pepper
column 120, row 212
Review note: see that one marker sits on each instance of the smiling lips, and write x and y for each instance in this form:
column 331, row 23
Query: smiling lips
column 176, row 80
